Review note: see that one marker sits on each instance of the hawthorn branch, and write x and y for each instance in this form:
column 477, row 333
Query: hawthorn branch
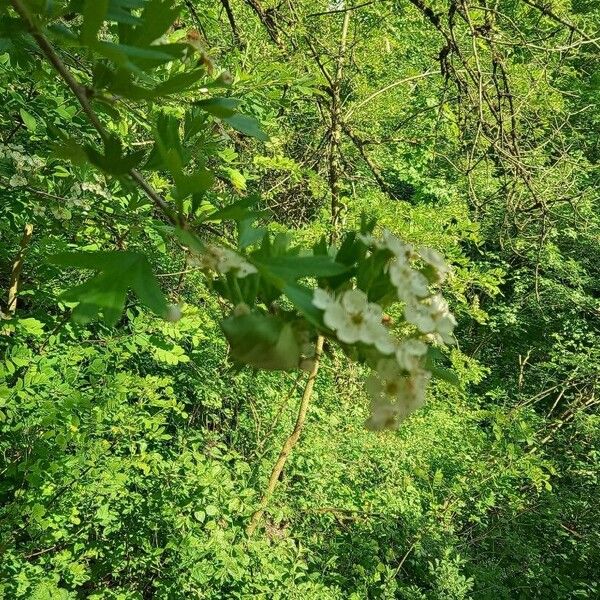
column 336, row 11
column 387, row 88
column 237, row 40
column 17, row 268
column 194, row 13
column 337, row 205
column 290, row 442
column 375, row 171
column 545, row 10
column 81, row 93
column 267, row 18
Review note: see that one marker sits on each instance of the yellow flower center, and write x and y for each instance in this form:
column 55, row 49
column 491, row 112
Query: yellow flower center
column 357, row 318
column 391, row 388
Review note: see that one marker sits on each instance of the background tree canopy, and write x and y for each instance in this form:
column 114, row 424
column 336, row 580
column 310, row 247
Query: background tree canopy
column 183, row 416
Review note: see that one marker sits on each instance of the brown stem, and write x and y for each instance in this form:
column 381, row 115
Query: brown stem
column 194, row 13
column 289, row 443
column 234, row 29
column 360, row 146
column 268, row 20
column 337, row 205
column 15, row 275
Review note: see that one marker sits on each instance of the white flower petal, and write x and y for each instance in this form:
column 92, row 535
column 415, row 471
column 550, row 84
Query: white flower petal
column 335, row 317
column 350, row 333
column 322, row 299
column 354, row 301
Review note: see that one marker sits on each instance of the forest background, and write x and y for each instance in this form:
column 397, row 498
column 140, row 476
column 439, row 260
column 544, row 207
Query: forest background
column 134, row 455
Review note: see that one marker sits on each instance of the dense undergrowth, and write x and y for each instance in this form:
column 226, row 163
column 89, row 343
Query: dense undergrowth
column 133, row 456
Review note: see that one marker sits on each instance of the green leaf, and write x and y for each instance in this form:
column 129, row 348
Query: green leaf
column 31, row 326
column 113, row 161
column 168, row 142
column 105, row 293
column 178, row 83
column 69, row 149
column 167, row 352
column 28, row 120
column 301, row 297
column 247, row 125
column 445, row 374
column 291, row 268
column 157, row 17
column 120, row 11
column 193, row 184
column 137, row 58
column 247, row 233
column 433, row 358
column 236, row 211
column 220, row 107
column 94, row 13
column 186, row 237
column 262, row 341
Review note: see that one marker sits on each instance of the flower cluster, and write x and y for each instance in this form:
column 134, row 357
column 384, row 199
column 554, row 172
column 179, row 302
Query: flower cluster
column 354, row 319
column 397, row 386
column 394, row 394
column 93, row 188
column 221, row 260
column 432, row 317
column 22, row 162
column 76, row 199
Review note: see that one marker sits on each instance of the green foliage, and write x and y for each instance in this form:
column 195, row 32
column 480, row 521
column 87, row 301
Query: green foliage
column 135, row 445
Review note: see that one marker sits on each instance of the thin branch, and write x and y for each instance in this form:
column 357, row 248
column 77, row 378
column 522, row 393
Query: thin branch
column 234, row 29
column 385, row 89
column 337, row 206
column 194, row 13
column 545, row 10
column 17, row 268
column 290, row 442
column 337, row 11
column 375, row 171
column 81, row 93
column 267, row 19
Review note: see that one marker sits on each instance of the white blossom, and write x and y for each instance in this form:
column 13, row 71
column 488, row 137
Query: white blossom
column 396, row 246
column 407, row 281
column 93, row 188
column 17, row 180
column 394, row 395
column 354, row 319
column 226, row 77
column 433, row 317
column 63, row 214
column 368, row 239
column 222, row 260
column 38, row 210
column 410, row 353
column 434, row 259
column 322, row 299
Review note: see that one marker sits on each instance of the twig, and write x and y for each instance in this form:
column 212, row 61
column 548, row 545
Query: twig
column 290, row 442
column 337, row 11
column 15, row 275
column 81, row 93
column 234, row 30
column 385, row 89
column 337, row 206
